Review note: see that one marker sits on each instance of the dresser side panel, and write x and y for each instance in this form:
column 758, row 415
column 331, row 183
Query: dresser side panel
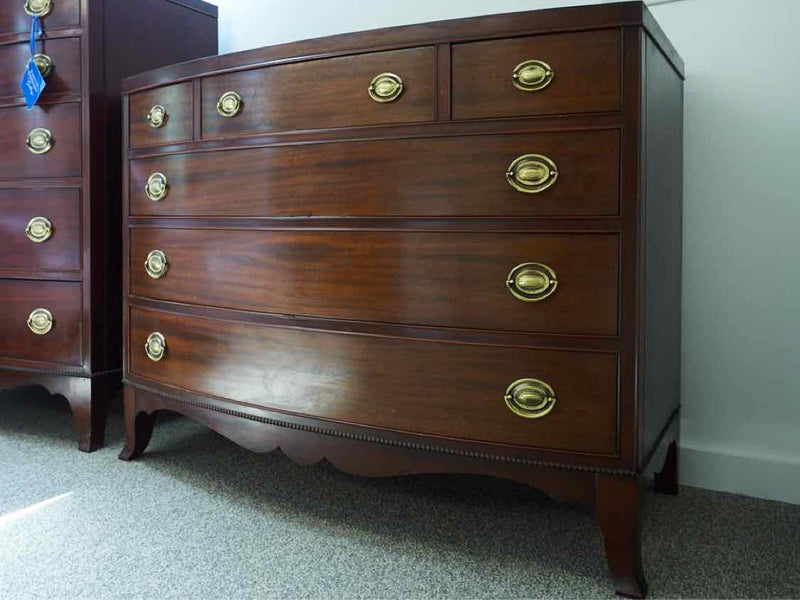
column 171, row 33
column 661, row 225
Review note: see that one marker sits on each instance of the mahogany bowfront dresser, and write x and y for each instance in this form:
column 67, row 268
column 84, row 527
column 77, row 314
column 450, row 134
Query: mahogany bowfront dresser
column 60, row 183
column 451, row 247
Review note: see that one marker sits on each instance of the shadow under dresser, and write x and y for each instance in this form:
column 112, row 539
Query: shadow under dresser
column 451, row 247
column 60, row 182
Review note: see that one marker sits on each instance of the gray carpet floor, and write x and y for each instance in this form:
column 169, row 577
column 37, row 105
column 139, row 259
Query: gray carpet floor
column 199, row 517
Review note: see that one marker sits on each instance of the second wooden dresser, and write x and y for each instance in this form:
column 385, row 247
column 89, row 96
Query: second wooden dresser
column 442, row 248
column 60, row 182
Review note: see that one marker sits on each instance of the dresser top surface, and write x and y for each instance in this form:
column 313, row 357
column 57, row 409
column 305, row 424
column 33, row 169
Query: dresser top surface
column 451, row 31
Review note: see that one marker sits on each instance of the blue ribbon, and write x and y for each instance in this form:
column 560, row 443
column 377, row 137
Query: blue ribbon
column 36, row 31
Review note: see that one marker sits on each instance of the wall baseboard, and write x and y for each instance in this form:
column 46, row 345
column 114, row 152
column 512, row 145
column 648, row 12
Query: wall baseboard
column 757, row 476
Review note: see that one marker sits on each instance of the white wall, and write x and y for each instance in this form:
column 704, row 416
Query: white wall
column 741, row 302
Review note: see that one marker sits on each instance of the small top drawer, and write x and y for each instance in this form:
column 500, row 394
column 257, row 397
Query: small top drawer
column 366, row 89
column 162, row 116
column 60, row 63
column 539, row 75
column 15, row 15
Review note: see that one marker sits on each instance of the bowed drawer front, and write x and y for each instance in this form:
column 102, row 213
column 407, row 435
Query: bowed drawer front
column 162, row 116
column 549, row 174
column 515, row 282
column 450, row 390
column 539, row 75
column 334, row 92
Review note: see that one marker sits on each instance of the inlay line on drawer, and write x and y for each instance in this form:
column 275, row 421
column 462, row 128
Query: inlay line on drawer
column 442, row 176
column 463, row 280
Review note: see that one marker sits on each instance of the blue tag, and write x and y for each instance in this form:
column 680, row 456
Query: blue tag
column 33, row 83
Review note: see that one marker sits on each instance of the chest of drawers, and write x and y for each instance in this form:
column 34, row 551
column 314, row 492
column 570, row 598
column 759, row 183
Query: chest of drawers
column 60, row 182
column 442, row 248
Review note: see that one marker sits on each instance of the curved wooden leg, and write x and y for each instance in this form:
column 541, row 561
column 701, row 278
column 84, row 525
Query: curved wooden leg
column 138, row 427
column 617, row 512
column 89, row 400
column 666, row 480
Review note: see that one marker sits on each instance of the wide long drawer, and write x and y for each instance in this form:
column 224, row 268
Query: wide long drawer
column 492, row 175
column 40, row 229
column 560, row 400
column 331, row 92
column 63, row 55
column 45, row 142
column 517, row 282
column 41, row 321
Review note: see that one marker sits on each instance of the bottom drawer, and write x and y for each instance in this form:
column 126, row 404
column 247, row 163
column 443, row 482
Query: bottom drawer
column 458, row 391
column 56, row 340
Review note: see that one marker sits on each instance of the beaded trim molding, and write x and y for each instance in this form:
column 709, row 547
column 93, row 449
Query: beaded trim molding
column 385, row 442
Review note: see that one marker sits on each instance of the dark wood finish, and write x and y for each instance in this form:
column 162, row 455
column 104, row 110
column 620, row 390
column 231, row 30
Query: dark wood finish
column 62, row 299
column 287, row 239
column 661, row 222
column 62, row 252
column 617, row 511
column 77, row 273
column 355, row 456
column 586, row 66
column 13, row 18
column 450, row 280
column 232, row 360
column 450, row 176
column 88, row 398
column 138, row 427
column 65, row 77
column 64, row 160
column 323, row 93
column 177, row 100
column 579, row 18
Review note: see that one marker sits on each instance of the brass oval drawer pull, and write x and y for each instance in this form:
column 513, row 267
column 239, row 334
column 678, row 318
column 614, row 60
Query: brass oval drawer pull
column 44, row 63
column 40, row 141
column 38, row 8
column 532, row 173
column 156, row 264
column 229, row 105
column 530, row 398
column 39, row 229
column 532, row 75
column 157, row 116
column 532, row 282
column 155, row 346
column 386, row 87
column 157, row 187
column 40, row 321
